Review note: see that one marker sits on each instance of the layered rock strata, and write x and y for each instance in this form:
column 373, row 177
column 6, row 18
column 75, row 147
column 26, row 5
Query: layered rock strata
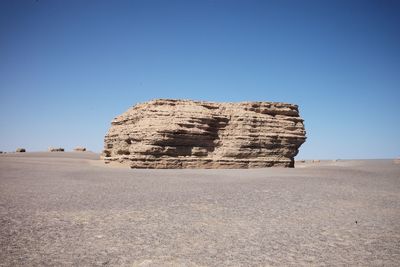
column 167, row 133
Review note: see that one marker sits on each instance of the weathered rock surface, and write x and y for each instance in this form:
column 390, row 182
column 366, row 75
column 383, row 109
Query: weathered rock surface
column 168, row 133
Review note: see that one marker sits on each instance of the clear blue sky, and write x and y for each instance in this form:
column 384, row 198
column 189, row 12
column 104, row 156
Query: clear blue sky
column 67, row 68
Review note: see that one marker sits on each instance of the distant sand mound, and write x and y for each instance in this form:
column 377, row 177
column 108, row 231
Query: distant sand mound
column 56, row 149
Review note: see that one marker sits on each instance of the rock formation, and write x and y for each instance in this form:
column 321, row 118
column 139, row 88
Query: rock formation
column 56, row 149
column 167, row 133
column 20, row 150
column 80, row 149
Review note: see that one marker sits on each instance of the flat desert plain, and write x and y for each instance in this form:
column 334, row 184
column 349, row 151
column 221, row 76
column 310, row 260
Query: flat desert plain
column 63, row 209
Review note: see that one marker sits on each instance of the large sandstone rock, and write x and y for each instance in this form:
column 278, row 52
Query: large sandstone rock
column 168, row 133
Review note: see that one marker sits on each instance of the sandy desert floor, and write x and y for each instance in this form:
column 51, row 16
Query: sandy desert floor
column 63, row 209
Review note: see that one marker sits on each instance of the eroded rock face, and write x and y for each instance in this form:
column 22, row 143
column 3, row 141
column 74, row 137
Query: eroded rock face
column 167, row 133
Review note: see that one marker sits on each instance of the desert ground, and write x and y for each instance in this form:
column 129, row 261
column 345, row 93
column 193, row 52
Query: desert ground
column 68, row 209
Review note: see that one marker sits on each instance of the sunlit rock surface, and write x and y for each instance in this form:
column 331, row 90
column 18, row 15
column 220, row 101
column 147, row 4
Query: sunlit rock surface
column 167, row 133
